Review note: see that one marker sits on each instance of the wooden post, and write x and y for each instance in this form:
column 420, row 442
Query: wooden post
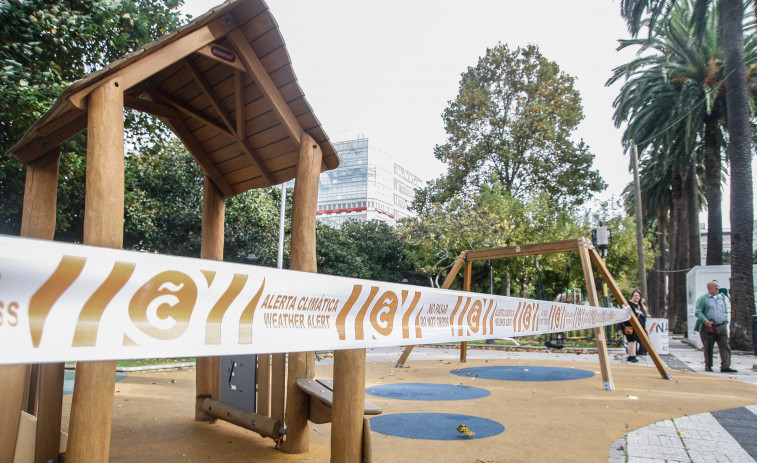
column 467, row 275
column 349, row 403
column 278, row 386
column 12, row 382
column 37, row 221
column 447, row 283
column 263, row 402
column 643, row 338
column 49, row 410
column 92, row 404
column 213, row 214
column 302, row 364
column 599, row 333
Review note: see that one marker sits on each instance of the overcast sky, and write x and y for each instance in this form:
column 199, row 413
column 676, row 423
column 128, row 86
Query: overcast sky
column 386, row 69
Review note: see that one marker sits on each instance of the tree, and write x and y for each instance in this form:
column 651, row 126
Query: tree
column 491, row 218
column 164, row 210
column 45, row 45
column 739, row 141
column 360, row 249
column 510, row 125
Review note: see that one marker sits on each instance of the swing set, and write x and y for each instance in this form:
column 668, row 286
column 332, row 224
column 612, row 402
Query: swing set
column 588, row 256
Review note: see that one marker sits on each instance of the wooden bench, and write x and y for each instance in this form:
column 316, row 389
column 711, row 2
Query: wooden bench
column 322, row 390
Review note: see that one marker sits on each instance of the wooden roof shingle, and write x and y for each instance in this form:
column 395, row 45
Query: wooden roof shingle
column 225, row 86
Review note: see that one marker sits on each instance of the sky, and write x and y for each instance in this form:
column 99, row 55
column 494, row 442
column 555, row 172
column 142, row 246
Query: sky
column 386, row 70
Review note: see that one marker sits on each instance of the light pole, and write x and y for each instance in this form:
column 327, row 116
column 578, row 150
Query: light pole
column 280, row 258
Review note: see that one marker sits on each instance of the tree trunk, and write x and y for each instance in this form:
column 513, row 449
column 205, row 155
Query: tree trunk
column 713, row 195
column 691, row 196
column 739, row 150
column 679, row 260
column 658, row 277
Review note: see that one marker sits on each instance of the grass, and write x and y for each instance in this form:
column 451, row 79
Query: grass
column 538, row 341
column 145, row 362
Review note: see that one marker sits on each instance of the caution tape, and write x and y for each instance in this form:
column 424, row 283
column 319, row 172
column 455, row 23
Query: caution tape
column 68, row 302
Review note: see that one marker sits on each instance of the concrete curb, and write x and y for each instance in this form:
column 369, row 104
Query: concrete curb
column 159, row 366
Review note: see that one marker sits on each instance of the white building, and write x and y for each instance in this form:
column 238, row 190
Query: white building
column 368, row 185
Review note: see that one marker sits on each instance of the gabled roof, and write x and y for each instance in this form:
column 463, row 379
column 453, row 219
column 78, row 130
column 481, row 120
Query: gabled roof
column 223, row 83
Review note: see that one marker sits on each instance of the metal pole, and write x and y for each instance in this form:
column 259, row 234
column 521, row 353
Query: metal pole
column 491, row 291
column 639, row 224
column 280, row 259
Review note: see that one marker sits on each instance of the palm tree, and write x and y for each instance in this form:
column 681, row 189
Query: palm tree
column 652, row 13
column 656, row 191
column 662, row 100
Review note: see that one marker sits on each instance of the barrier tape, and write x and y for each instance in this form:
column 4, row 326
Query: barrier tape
column 68, row 302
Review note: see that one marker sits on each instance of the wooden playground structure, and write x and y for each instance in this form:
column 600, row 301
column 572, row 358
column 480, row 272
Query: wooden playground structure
column 588, row 256
column 224, row 84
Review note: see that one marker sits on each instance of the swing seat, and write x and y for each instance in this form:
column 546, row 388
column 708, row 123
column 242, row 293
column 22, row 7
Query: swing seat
column 555, row 341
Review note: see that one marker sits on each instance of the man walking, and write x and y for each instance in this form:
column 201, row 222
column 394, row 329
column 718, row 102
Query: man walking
column 712, row 324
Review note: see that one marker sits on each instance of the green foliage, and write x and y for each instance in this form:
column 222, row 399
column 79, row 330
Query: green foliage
column 492, row 218
column 622, row 256
column 164, row 210
column 510, row 125
column 45, row 45
column 337, row 254
column 371, row 250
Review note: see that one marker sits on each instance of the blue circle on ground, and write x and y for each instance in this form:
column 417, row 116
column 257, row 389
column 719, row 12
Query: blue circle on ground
column 434, row 426
column 427, row 391
column 524, row 373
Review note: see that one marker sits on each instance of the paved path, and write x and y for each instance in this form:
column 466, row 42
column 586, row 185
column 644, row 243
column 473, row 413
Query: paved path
column 723, row 436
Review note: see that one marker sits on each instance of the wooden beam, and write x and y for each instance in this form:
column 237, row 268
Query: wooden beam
column 270, row 92
column 162, row 57
column 192, row 113
column 194, row 147
column 261, row 424
column 208, row 91
column 447, row 283
column 207, row 51
column 59, row 122
column 461, row 259
column 599, row 333
column 552, row 247
column 45, row 144
column 467, row 275
column 92, row 403
column 216, row 103
column 239, row 103
column 303, row 258
column 641, row 332
column 151, row 107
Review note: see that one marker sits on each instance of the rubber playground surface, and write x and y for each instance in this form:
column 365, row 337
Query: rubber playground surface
column 521, row 409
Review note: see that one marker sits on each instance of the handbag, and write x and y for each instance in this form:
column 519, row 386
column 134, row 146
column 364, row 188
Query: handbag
column 628, row 330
